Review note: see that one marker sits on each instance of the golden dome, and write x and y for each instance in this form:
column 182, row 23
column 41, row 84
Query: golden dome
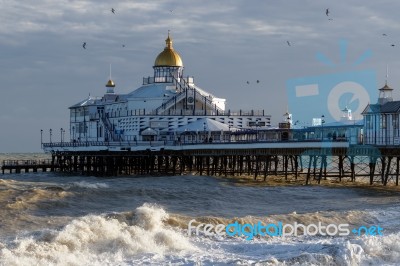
column 110, row 83
column 168, row 57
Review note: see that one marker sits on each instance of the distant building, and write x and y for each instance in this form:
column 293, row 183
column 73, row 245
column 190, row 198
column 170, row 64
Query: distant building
column 381, row 120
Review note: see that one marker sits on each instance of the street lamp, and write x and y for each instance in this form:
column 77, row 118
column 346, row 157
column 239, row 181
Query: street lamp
column 97, row 130
column 257, row 124
column 322, row 127
column 61, row 134
column 204, row 127
column 41, row 138
column 86, row 133
column 230, row 125
column 51, row 133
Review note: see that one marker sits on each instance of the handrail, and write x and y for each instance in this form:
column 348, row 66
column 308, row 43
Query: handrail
column 178, row 143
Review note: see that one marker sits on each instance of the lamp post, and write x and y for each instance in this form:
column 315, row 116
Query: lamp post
column 51, row 133
column 86, row 133
column 322, row 127
column 229, row 126
column 97, row 130
column 257, row 124
column 41, row 137
column 61, row 134
column 204, row 127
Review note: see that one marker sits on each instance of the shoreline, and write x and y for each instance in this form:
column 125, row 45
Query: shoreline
column 278, row 181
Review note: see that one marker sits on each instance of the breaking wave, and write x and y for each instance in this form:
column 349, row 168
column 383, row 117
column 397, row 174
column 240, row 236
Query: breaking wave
column 98, row 239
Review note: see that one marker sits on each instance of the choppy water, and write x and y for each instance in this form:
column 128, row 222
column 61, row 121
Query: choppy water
column 53, row 219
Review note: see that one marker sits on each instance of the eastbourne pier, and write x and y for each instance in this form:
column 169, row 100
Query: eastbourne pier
column 171, row 126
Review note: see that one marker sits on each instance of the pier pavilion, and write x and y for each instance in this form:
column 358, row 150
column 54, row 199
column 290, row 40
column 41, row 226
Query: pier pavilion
column 158, row 110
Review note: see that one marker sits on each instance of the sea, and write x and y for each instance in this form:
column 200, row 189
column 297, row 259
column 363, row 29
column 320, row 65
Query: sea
column 58, row 219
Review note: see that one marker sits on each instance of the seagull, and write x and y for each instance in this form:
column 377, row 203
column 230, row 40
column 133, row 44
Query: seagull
column 327, row 12
column 392, row 45
column 384, row 34
column 288, row 43
column 258, row 81
column 84, row 45
column 113, row 10
column 248, row 82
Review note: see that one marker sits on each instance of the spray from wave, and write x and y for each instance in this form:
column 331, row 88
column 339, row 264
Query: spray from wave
column 84, row 184
column 98, row 239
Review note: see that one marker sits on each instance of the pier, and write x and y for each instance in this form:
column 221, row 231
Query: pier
column 308, row 161
column 17, row 166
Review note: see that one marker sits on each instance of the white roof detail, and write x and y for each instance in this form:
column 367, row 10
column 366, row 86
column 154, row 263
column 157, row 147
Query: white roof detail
column 155, row 90
column 149, row 132
column 210, row 125
column 88, row 101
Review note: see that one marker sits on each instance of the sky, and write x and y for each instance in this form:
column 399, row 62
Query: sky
column 223, row 44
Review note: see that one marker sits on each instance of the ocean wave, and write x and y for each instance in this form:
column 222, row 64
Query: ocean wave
column 85, row 184
column 46, row 197
column 326, row 217
column 99, row 240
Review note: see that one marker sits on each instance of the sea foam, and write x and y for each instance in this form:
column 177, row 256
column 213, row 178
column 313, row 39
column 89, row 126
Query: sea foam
column 98, row 240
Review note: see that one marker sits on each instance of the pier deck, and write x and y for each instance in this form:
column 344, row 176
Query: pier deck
column 27, row 166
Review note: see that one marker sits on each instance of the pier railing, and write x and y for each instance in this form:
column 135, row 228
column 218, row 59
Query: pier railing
column 26, row 162
column 171, row 143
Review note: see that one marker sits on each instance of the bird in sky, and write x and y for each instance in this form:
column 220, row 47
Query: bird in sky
column 248, row 82
column 288, row 43
column 327, row 11
column 113, row 10
column 384, row 34
column 123, row 45
column 84, row 45
column 258, row 81
column 393, row 45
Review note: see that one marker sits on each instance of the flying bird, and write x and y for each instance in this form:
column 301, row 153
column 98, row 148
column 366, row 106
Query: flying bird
column 258, row 81
column 84, row 45
column 123, row 45
column 392, row 45
column 113, row 10
column 327, row 11
column 288, row 43
column 384, row 34
column 248, row 82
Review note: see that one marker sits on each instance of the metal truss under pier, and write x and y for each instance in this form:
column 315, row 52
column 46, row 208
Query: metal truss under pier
column 312, row 164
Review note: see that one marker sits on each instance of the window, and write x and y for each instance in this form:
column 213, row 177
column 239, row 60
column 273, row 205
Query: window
column 369, row 124
column 395, row 121
column 383, row 121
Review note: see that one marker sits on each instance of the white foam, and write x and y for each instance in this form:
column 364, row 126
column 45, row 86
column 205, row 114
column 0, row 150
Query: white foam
column 97, row 240
column 119, row 239
column 85, row 184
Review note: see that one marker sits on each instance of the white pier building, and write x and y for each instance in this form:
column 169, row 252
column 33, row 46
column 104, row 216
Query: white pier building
column 168, row 108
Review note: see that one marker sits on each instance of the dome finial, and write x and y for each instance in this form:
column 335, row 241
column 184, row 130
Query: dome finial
column 168, row 41
column 110, row 84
